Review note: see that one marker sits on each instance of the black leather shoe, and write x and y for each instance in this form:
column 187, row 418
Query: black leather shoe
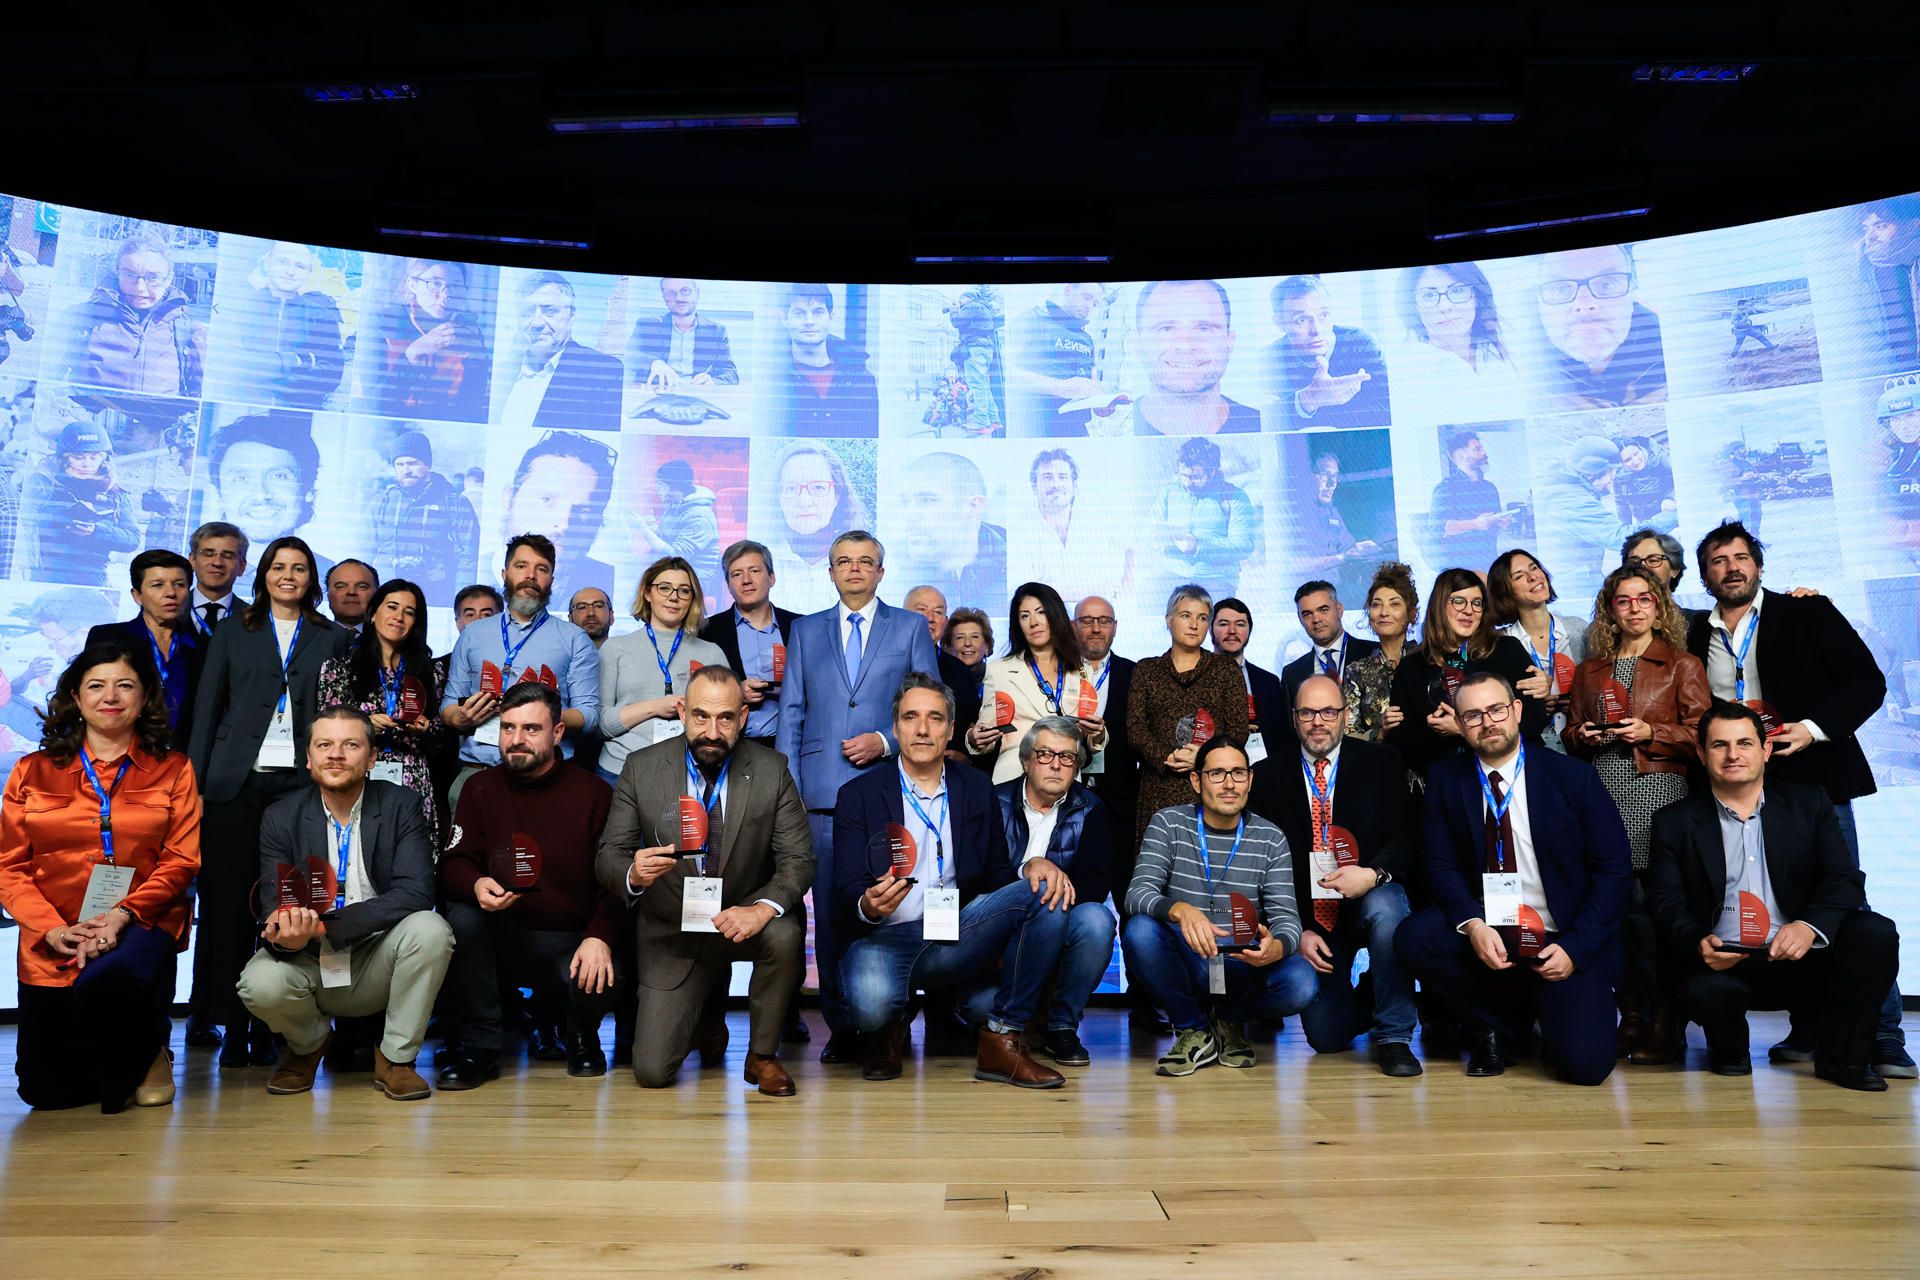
column 1861, row 1077
column 1794, row 1048
column 795, row 1032
column 842, row 1046
column 1483, row 1052
column 1395, row 1059
column 544, row 1045
column 584, row 1057
column 465, row 1071
column 202, row 1035
column 1734, row 1062
column 1064, row 1047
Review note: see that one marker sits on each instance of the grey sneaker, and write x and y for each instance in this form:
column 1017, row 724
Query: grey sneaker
column 1234, row 1049
column 1191, row 1051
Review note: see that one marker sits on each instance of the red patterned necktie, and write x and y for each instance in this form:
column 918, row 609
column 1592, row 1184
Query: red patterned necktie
column 1326, row 911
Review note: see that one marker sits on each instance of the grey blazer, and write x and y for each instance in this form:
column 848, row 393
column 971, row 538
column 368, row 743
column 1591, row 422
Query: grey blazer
column 239, row 689
column 394, row 840
column 765, row 848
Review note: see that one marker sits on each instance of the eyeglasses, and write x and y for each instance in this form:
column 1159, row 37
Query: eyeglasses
column 847, row 562
column 1047, row 756
column 1492, row 715
column 818, row 490
column 430, row 285
column 1654, row 561
column 1606, row 285
column 1470, row 604
column 1325, row 715
column 151, row 279
column 1218, row 776
column 1458, row 294
column 1642, row 601
column 1094, row 620
column 673, row 593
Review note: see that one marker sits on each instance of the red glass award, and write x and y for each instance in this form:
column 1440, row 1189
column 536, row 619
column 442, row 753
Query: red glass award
column 779, row 664
column 516, row 867
column 690, row 825
column 1244, row 920
column 1203, row 727
column 894, row 851
column 312, row 884
column 1608, row 704
column 1532, row 933
column 692, row 667
column 1562, row 674
column 1253, row 710
column 1442, row 687
column 1345, row 849
column 1755, row 921
column 413, row 701
column 492, row 682
column 1770, row 718
column 1003, row 711
column 1089, row 708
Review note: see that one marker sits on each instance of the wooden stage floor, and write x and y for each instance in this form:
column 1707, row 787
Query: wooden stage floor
column 1302, row 1165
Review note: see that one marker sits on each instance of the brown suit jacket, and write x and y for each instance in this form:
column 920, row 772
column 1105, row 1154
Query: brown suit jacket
column 765, row 849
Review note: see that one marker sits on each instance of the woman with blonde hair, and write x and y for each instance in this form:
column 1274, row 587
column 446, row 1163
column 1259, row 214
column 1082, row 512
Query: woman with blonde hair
column 643, row 674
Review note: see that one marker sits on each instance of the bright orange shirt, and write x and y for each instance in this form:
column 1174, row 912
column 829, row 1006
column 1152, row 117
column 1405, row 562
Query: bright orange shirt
column 50, row 842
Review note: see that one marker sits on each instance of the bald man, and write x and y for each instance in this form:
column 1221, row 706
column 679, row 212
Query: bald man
column 949, row 543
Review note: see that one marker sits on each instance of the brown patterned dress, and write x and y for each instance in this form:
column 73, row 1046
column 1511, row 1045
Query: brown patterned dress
column 1158, row 699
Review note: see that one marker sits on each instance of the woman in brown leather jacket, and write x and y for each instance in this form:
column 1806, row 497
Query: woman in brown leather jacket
column 1637, row 699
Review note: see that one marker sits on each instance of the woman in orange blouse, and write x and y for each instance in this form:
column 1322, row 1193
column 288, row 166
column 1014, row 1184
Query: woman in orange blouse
column 99, row 839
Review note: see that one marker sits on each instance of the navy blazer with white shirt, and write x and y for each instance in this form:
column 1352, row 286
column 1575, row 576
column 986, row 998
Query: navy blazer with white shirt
column 868, row 803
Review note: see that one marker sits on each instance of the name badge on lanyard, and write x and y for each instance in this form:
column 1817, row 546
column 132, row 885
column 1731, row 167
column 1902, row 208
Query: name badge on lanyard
column 940, row 902
column 1206, row 867
column 276, row 749
column 336, row 967
column 699, row 904
column 1500, row 890
column 387, row 771
column 108, row 883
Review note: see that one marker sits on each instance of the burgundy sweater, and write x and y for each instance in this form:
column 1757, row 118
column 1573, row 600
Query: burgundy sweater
column 560, row 813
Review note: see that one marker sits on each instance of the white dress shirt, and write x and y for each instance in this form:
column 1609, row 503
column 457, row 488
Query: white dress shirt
column 358, row 886
column 1040, row 825
column 528, row 391
column 1533, row 890
column 926, row 870
column 1722, row 668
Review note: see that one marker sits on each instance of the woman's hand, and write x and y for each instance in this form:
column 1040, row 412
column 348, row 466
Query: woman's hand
column 1633, row 729
column 383, row 721
column 982, row 738
column 1442, row 722
column 1392, row 719
column 1181, row 759
column 1096, row 731
column 1535, row 684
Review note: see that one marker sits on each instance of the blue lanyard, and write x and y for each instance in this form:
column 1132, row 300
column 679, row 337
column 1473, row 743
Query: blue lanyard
column 1553, row 677
column 1052, row 692
column 696, row 779
column 1499, row 811
column 392, row 690
column 286, row 663
column 510, row 652
column 342, row 853
column 106, row 800
column 199, row 623
column 1326, row 801
column 1343, row 661
column 1740, row 658
column 1206, row 862
column 933, row 828
column 165, row 662
column 666, row 663
column 1106, row 670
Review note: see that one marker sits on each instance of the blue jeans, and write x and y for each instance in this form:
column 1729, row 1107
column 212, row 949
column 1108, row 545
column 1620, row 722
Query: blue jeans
column 1083, row 962
column 1176, row 975
column 826, row 939
column 1368, row 922
column 880, row 971
column 1891, row 1008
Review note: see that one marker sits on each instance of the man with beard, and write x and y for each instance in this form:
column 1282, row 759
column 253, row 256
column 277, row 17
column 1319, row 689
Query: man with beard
column 1323, row 374
column 1078, row 551
column 424, row 529
column 1467, row 518
column 523, row 901
column 826, row 389
column 592, row 612
column 1802, row 659
column 559, row 384
column 735, row 896
column 263, row 470
column 1528, row 864
column 680, row 348
column 1889, row 245
column 1185, row 328
column 1606, row 346
column 1205, row 523
column 528, row 644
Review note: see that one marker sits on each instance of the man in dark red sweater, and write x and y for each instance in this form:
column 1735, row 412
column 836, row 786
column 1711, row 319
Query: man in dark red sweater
column 522, row 898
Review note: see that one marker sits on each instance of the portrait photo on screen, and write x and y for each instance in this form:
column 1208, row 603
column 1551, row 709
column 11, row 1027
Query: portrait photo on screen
column 558, row 484
column 1203, row 522
column 690, row 350
column 261, row 469
column 1464, row 496
column 424, row 348
column 1745, row 338
column 279, row 336
column 815, row 366
column 679, row 497
column 42, row 629
column 1335, row 502
column 1073, row 517
column 408, row 506
column 1453, row 357
column 1059, row 378
column 1869, row 259
column 1174, row 356
column 1598, row 477
column 806, row 493
column 1325, row 369
column 555, row 370
column 943, row 521
column 29, row 238
column 1876, row 470
column 942, row 372
column 1599, row 344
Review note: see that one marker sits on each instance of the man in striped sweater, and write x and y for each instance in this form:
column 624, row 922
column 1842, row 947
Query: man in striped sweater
column 1192, row 860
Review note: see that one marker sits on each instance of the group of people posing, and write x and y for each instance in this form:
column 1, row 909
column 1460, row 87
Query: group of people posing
column 1577, row 836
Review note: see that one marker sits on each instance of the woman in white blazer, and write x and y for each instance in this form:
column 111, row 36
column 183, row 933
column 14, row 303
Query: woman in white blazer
column 1042, row 675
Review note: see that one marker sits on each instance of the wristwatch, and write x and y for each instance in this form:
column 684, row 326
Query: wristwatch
column 1385, row 876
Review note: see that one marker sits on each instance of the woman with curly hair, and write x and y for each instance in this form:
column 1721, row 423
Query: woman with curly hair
column 1393, row 610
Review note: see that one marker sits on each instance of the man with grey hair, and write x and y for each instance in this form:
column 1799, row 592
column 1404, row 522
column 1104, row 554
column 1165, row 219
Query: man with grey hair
column 560, row 385
column 1053, row 821
column 843, row 665
column 752, row 632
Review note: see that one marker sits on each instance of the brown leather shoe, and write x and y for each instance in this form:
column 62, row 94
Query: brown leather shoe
column 1004, row 1060
column 296, row 1070
column 710, row 1037
column 883, row 1051
column 1663, row 1042
column 1633, row 1025
column 769, row 1075
column 398, row 1080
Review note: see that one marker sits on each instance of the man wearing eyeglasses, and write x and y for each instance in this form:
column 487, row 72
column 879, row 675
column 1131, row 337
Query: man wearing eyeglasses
column 1114, row 772
column 1528, row 862
column 134, row 333
column 1192, row 860
column 836, row 720
column 1607, row 350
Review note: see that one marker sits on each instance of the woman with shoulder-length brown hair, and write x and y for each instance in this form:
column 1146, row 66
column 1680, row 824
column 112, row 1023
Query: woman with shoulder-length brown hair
column 1636, row 700
column 99, row 840
column 1456, row 640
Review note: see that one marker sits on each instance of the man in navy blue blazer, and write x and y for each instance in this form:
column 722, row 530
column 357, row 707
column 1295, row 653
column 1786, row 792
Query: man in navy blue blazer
column 844, row 665
column 959, row 912
column 1527, row 859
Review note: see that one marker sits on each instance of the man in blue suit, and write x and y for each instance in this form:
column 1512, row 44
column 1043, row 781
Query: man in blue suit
column 1527, row 859
column 960, row 911
column 844, row 665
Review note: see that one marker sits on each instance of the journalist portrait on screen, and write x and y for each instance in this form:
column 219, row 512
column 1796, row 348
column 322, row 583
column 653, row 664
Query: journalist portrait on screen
column 1050, row 362
column 679, row 345
column 1467, row 522
column 824, row 387
column 1073, row 546
column 1203, row 524
column 1322, row 374
column 424, row 354
column 948, row 543
column 1605, row 347
column 1184, row 329
column 74, row 512
column 1456, row 368
column 818, row 503
column 1889, row 253
column 262, row 470
column 134, row 332
column 560, row 490
column 424, row 529
column 278, row 337
column 558, row 383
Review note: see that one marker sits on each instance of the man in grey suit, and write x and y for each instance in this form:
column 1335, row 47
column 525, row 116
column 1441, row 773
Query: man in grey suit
column 378, row 947
column 690, row 929
column 844, row 665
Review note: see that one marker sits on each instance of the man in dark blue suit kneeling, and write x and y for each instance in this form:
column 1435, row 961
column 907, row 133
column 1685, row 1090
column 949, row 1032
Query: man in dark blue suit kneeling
column 1528, row 862
column 960, row 910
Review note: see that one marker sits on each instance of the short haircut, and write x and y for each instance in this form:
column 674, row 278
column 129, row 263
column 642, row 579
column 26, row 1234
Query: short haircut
column 714, row 673
column 1306, row 589
column 1065, row 727
column 1146, row 291
column 539, row 543
column 745, row 547
column 921, row 680
column 217, row 529
column 1726, row 533
column 962, row 474
column 525, row 691
column 479, row 589
column 1288, row 288
column 1217, row 742
column 1903, row 208
column 1475, row 679
column 1669, row 546
column 1045, row 456
column 158, row 559
column 342, row 711
column 807, row 292
column 291, row 433
column 856, row 535
column 343, row 564
column 1199, row 452
column 1724, row 710
column 535, row 283
column 1185, row 591
column 1236, row 604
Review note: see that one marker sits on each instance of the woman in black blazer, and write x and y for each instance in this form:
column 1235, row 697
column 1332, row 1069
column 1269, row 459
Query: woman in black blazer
column 249, row 748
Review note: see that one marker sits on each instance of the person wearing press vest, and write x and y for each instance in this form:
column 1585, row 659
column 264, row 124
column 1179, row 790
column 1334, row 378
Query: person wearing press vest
column 931, row 899
column 1346, row 810
column 99, row 838
column 707, row 898
column 258, row 691
column 1757, row 897
column 1042, row 675
column 218, row 552
column 643, row 674
column 751, row 632
column 524, row 643
column 1527, row 861
column 161, row 585
column 346, row 892
column 523, row 901
column 1210, row 963
column 1801, row 658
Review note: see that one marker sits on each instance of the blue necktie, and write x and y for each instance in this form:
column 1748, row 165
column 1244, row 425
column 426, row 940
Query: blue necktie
column 1327, row 664
column 853, row 649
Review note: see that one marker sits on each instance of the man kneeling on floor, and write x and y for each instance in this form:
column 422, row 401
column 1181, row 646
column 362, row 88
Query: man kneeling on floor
column 378, row 946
